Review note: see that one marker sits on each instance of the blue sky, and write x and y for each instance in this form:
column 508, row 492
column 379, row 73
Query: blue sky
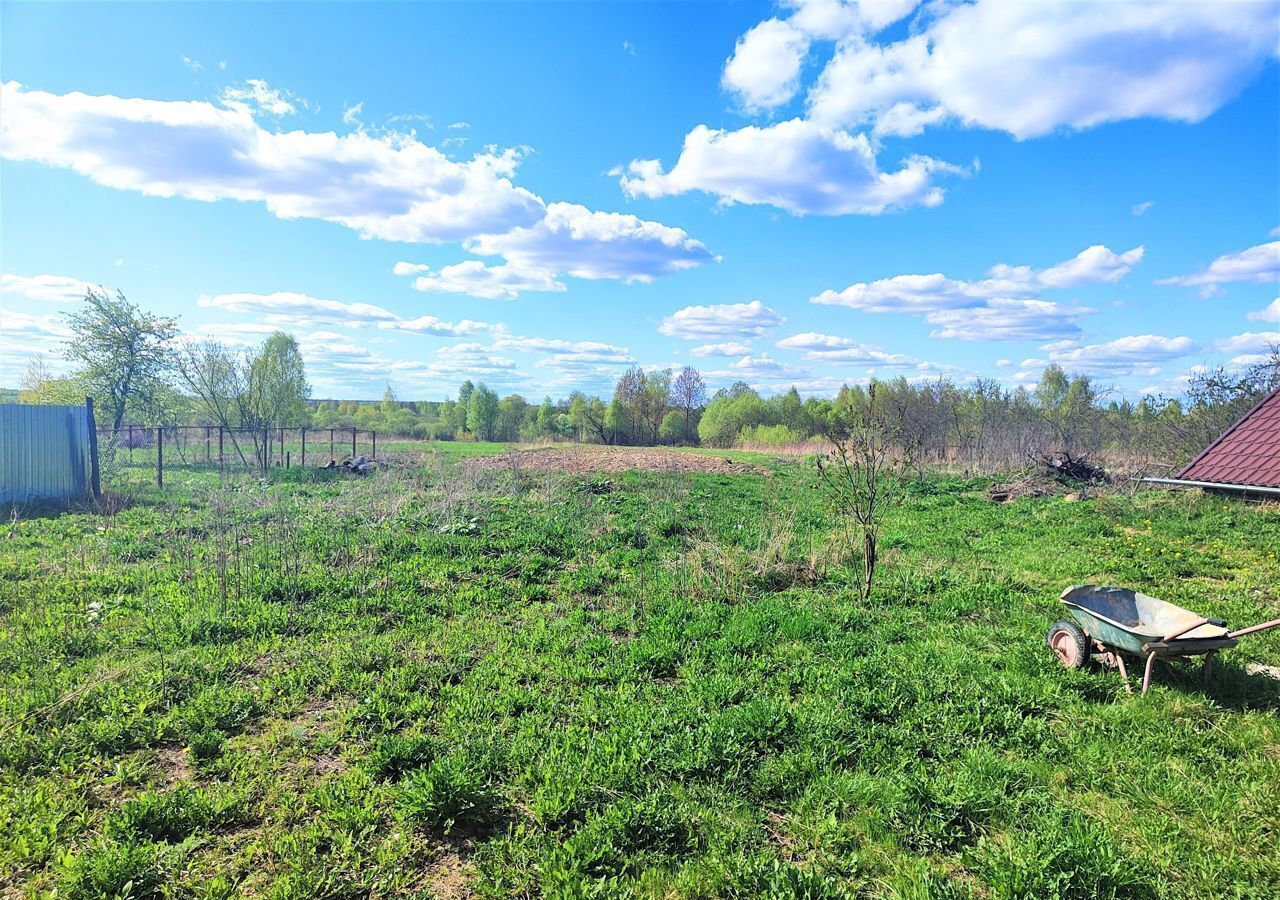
column 539, row 195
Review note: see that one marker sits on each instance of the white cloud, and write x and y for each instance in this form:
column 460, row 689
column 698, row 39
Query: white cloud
column 612, row 352
column 830, row 349
column 761, row 368
column 796, row 165
column 433, row 326
column 256, row 96
column 295, row 310
column 1270, row 313
column 728, row 348
column 192, row 64
column 1251, row 342
column 725, row 320
column 628, row 48
column 1257, row 265
column 1093, row 265
column 1136, row 355
column 388, row 186
column 472, row 277
column 1139, row 209
column 299, row 310
column 764, row 70
column 1003, row 306
column 1031, row 68
column 351, row 114
column 23, row 335
column 391, row 187
column 55, row 288
column 595, row 245
column 407, row 268
column 1007, row 319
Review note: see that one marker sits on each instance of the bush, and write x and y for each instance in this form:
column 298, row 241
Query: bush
column 768, row 436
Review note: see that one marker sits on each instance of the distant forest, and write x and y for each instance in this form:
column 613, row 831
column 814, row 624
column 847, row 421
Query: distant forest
column 141, row 372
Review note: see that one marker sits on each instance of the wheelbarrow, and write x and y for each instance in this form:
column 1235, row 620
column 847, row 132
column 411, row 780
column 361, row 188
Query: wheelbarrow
column 1116, row 622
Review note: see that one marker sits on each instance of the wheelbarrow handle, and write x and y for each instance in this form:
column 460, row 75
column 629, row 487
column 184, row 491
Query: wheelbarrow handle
column 1252, row 628
column 1194, row 625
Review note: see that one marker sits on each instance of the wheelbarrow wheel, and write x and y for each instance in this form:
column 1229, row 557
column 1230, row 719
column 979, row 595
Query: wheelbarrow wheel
column 1069, row 643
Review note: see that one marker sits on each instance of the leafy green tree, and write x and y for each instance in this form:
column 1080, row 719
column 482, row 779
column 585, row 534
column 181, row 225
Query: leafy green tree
column 278, row 388
column 390, row 405
column 123, row 353
column 546, row 418
column 674, row 428
column 464, row 404
column 482, row 411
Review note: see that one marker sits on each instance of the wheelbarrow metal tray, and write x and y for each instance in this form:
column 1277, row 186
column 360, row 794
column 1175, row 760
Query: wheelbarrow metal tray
column 1130, row 621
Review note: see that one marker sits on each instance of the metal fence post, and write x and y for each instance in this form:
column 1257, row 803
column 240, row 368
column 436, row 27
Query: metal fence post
column 374, row 452
column 95, row 485
column 353, row 443
column 283, row 461
column 303, row 462
column 221, row 464
column 160, row 457
column 331, row 443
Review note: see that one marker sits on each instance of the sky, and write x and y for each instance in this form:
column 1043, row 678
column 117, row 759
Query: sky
column 540, row 195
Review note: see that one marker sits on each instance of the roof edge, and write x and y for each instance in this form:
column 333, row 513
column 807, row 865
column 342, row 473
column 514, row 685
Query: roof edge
column 1222, row 437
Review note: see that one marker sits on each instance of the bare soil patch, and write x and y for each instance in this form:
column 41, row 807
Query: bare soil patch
column 583, row 460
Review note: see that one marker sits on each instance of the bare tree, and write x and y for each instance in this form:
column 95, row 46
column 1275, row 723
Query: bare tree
column 865, row 474
column 216, row 377
column 688, row 394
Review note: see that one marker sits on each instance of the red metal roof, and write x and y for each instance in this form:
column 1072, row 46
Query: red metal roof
column 1247, row 453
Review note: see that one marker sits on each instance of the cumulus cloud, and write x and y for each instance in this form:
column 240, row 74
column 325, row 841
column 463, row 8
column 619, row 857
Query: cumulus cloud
column 295, row 310
column 407, row 268
column 1031, row 68
column 764, row 70
column 727, row 348
column 1270, row 313
column 835, row 350
column 391, row 187
column 54, row 288
column 795, row 165
column 1094, row 265
column 1139, row 209
column 474, row 278
column 1250, row 343
column 760, row 368
column 1004, row 306
column 595, row 245
column 1005, row 319
column 1136, row 355
column 388, row 186
column 724, row 320
column 1257, row 265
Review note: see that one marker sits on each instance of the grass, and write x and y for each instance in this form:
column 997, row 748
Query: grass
column 436, row 681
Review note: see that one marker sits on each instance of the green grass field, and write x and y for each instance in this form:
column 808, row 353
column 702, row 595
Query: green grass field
column 442, row 682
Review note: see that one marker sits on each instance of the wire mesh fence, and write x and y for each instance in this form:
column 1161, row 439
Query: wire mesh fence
column 211, row 447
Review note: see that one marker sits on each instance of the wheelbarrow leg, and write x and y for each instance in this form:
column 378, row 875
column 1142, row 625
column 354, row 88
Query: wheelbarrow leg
column 1124, row 673
column 1146, row 676
column 1207, row 669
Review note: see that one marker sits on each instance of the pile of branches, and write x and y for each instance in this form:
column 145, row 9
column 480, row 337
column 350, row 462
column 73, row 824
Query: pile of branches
column 1051, row 474
column 1063, row 466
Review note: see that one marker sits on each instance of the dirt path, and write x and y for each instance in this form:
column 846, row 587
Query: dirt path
column 612, row 459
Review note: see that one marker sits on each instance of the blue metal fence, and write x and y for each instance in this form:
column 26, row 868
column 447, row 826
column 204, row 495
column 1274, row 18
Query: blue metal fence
column 45, row 452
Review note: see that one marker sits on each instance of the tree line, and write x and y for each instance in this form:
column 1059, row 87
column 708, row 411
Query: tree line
column 133, row 364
